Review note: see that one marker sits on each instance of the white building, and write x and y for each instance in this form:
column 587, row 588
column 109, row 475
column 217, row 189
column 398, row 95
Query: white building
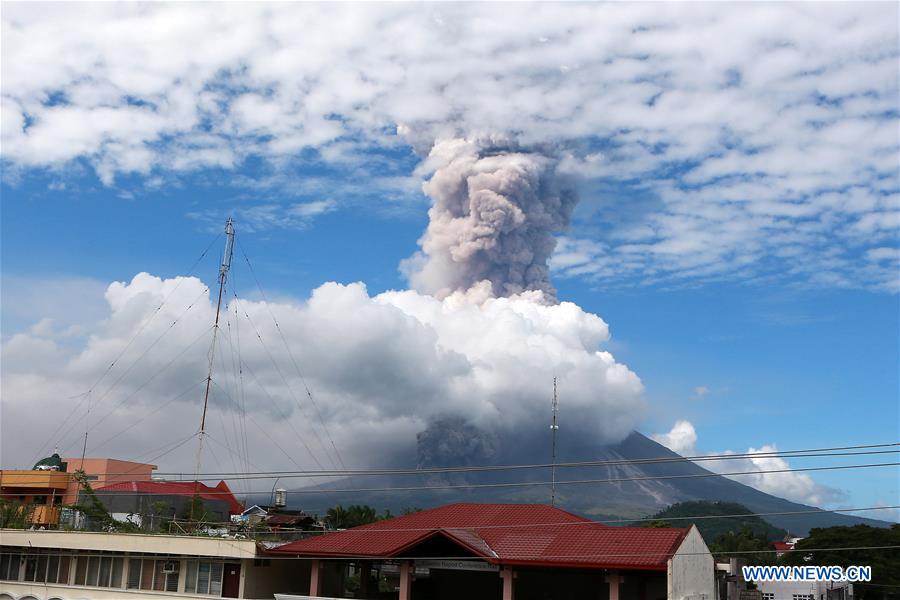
column 57, row 565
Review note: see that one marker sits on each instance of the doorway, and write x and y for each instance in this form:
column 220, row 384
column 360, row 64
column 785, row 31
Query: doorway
column 231, row 582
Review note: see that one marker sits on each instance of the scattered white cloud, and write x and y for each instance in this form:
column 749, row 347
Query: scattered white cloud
column 763, row 136
column 799, row 487
column 259, row 217
column 700, row 392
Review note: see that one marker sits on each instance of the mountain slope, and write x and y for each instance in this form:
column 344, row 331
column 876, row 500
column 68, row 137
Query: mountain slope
column 617, row 500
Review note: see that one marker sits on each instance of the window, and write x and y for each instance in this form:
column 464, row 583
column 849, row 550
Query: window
column 9, row 566
column 158, row 575
column 768, row 596
column 804, row 597
column 40, row 567
column 99, row 571
column 204, row 577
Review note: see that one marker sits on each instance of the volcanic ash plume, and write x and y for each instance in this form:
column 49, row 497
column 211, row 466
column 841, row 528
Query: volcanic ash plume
column 495, row 211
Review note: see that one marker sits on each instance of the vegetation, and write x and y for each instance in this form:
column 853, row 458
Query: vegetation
column 15, row 514
column 744, row 544
column 713, row 528
column 885, row 563
column 96, row 515
column 354, row 515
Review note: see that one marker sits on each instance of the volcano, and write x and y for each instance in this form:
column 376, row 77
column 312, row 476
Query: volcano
column 617, row 500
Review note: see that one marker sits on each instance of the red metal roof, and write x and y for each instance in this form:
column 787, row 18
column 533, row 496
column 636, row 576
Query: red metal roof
column 783, row 546
column 523, row 534
column 179, row 488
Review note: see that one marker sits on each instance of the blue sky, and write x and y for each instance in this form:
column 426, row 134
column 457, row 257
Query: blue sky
column 737, row 226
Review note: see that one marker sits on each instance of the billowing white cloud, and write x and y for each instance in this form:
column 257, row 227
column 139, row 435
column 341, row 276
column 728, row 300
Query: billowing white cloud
column 381, row 368
column 681, row 439
column 799, row 487
column 713, row 141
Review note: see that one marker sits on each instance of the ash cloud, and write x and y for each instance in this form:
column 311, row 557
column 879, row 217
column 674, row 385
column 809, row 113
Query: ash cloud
column 496, row 208
column 454, row 440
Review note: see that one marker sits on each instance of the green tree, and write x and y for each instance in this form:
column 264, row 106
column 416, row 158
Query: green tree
column 15, row 514
column 336, row 518
column 656, row 524
column 712, row 527
column 845, row 546
column 745, row 544
column 98, row 518
column 354, row 515
column 160, row 516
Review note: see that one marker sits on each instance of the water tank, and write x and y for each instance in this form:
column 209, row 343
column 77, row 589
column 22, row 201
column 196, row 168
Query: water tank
column 281, row 497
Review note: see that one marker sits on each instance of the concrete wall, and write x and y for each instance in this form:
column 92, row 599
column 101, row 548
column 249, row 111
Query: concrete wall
column 691, row 571
column 134, row 543
column 41, row 591
column 282, row 576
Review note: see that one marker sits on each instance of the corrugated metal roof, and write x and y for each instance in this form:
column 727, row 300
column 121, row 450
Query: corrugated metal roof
column 179, row 488
column 524, row 534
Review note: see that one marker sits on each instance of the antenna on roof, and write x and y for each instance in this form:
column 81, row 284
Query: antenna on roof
column 553, row 428
column 223, row 275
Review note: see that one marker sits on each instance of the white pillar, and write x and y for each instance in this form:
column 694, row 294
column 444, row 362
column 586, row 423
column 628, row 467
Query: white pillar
column 614, row 579
column 405, row 580
column 507, row 574
column 315, row 577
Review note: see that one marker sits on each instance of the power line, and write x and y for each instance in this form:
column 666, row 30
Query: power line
column 131, row 366
column 86, row 395
column 293, row 360
column 585, row 481
column 809, row 453
column 287, row 385
column 813, row 453
column 817, row 511
column 567, row 482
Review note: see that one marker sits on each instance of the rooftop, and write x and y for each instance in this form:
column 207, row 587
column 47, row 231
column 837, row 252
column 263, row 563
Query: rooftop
column 221, row 492
column 523, row 534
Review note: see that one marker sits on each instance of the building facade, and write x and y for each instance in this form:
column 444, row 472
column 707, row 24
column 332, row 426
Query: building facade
column 57, row 565
column 505, row 552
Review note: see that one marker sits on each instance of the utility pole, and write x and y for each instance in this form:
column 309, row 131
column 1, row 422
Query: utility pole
column 553, row 428
column 223, row 275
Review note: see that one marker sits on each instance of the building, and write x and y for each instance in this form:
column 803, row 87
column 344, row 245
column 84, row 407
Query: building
column 135, row 500
column 805, row 590
column 40, row 491
column 50, row 484
column 78, row 565
column 505, row 551
column 100, row 472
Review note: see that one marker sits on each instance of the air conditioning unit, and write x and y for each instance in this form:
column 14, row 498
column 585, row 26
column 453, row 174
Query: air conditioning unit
column 170, row 566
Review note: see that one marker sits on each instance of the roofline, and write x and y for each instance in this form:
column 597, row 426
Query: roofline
column 490, row 560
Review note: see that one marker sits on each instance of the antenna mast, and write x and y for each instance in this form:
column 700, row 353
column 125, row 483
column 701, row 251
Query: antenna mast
column 553, row 428
column 223, row 275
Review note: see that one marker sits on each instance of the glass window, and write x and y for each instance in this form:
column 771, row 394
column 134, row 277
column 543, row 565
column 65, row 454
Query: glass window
column 215, row 579
column 64, row 562
column 52, row 568
column 80, row 569
column 204, row 577
column 41, row 574
column 30, row 567
column 115, row 579
column 134, row 574
column 5, row 559
column 93, row 570
column 105, row 568
column 190, row 582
